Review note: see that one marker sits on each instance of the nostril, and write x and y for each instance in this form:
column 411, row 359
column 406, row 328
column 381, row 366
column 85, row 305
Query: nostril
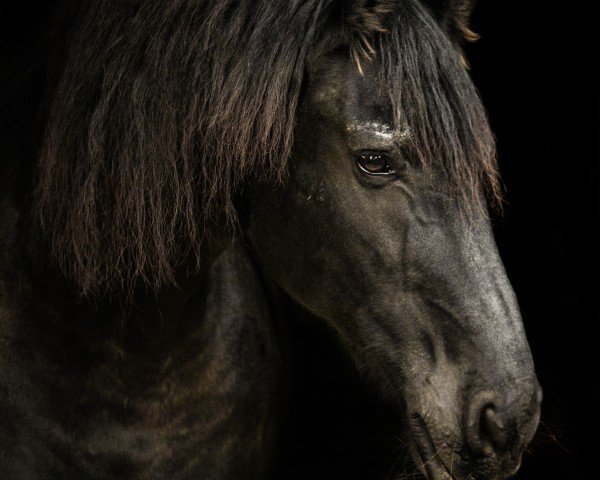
column 492, row 428
column 498, row 426
column 486, row 428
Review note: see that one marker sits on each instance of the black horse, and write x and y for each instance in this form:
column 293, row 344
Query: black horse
column 188, row 165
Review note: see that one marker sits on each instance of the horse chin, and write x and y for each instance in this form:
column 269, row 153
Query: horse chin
column 424, row 452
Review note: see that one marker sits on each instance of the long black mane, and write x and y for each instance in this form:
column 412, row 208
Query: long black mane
column 159, row 111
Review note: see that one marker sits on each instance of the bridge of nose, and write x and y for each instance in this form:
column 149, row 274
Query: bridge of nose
column 455, row 268
column 468, row 307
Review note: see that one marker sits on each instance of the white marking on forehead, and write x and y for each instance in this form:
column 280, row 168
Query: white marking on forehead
column 381, row 130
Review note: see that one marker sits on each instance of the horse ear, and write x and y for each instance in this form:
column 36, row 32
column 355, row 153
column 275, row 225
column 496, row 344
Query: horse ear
column 454, row 16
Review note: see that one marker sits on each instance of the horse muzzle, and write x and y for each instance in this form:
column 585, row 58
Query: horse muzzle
column 486, row 444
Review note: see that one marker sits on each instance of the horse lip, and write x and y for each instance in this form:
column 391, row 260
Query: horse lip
column 425, row 452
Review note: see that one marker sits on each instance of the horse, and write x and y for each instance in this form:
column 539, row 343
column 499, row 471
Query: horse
column 174, row 173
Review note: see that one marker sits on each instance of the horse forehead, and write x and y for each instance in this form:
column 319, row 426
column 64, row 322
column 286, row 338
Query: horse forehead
column 355, row 100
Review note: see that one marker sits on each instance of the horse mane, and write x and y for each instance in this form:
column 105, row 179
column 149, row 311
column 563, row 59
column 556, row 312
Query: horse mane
column 159, row 111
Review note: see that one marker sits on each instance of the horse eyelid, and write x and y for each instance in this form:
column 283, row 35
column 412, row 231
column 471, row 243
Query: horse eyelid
column 377, row 174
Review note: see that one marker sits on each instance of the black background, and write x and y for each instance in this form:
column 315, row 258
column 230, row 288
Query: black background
column 535, row 68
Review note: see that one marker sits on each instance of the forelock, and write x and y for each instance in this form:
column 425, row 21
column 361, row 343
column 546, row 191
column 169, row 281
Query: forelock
column 161, row 111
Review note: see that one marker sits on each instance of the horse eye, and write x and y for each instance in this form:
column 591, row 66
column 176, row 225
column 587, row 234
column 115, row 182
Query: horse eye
column 374, row 164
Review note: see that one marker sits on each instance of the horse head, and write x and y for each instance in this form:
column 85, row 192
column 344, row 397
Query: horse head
column 376, row 232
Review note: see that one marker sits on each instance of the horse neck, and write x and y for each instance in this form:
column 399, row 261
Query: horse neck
column 91, row 377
